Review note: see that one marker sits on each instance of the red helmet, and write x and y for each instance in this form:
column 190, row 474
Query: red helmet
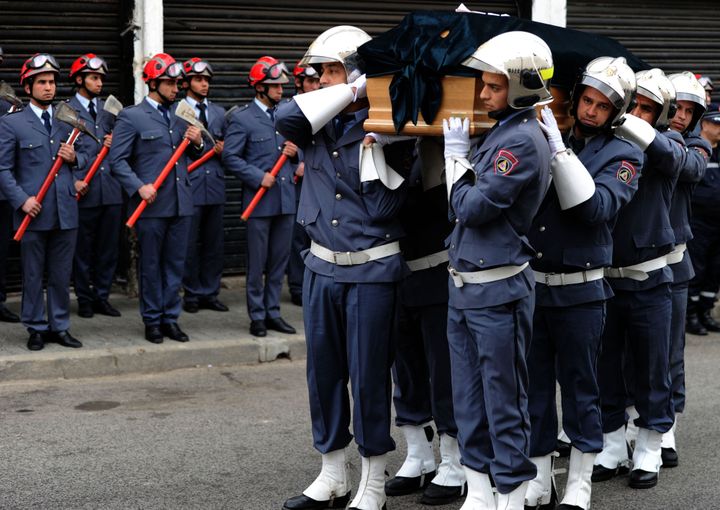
column 162, row 67
column 88, row 63
column 304, row 72
column 39, row 63
column 197, row 67
column 268, row 70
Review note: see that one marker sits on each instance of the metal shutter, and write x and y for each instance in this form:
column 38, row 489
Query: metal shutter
column 232, row 35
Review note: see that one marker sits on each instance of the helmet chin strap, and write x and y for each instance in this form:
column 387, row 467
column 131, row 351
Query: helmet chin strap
column 165, row 100
column 586, row 130
column 263, row 93
column 501, row 114
column 89, row 92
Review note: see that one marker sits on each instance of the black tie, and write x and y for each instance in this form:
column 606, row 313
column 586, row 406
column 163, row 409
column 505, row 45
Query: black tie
column 92, row 111
column 162, row 109
column 577, row 144
column 271, row 113
column 203, row 118
column 46, row 121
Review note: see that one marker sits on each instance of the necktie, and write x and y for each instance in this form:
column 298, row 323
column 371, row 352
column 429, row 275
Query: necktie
column 203, row 117
column 46, row 121
column 577, row 144
column 91, row 109
column 162, row 109
column 271, row 113
column 338, row 127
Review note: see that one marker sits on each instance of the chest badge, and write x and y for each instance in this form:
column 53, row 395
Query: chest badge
column 626, row 173
column 505, row 162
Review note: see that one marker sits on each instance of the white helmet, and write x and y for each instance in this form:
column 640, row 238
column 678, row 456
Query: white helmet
column 613, row 78
column 337, row 44
column 526, row 61
column 688, row 88
column 654, row 85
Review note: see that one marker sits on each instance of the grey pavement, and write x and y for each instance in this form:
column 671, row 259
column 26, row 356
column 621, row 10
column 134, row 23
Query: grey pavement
column 115, row 346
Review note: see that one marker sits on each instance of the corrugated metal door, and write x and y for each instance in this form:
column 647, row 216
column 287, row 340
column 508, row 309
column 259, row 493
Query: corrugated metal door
column 232, row 35
column 674, row 36
column 66, row 30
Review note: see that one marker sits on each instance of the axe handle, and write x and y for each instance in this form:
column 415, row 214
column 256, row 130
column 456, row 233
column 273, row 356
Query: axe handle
column 159, row 180
column 259, row 194
column 201, row 160
column 94, row 168
column 49, row 179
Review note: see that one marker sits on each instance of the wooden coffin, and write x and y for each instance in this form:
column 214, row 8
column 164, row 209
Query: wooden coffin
column 461, row 98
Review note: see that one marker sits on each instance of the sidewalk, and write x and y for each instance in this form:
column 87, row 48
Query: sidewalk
column 116, row 345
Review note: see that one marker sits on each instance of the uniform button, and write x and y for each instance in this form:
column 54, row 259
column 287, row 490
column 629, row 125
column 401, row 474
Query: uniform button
column 542, row 228
column 335, row 154
column 334, row 223
column 652, row 245
column 282, row 178
column 312, row 142
column 171, row 131
column 457, row 220
column 452, row 246
column 177, row 178
column 52, row 141
column 277, row 132
column 102, row 168
column 338, row 196
column 338, row 174
column 174, row 147
column 587, row 264
column 30, row 146
column 481, row 261
column 207, row 171
column 279, row 148
column 302, row 222
column 387, row 236
column 539, row 255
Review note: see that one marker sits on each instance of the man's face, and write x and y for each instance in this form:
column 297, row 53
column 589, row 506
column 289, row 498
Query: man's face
column 711, row 132
column 93, row 82
column 646, row 109
column 310, row 83
column 200, row 86
column 43, row 87
column 594, row 108
column 168, row 89
column 274, row 91
column 708, row 96
column 683, row 116
column 332, row 73
column 494, row 92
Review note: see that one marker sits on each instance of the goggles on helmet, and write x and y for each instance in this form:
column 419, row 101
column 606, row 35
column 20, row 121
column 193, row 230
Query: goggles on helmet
column 39, row 60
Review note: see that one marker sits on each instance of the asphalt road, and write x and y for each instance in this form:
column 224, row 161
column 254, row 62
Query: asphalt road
column 239, row 438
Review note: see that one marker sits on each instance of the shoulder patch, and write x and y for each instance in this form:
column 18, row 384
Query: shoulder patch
column 626, row 173
column 505, row 162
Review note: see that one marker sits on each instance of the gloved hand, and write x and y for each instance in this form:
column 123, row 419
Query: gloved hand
column 549, row 126
column 383, row 140
column 359, row 87
column 457, row 137
column 636, row 130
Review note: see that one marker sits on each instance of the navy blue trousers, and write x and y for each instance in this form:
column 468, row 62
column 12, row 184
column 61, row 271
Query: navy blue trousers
column 488, row 350
column 96, row 254
column 704, row 251
column 423, row 386
column 639, row 322
column 349, row 330
column 296, row 265
column 50, row 252
column 6, row 222
column 204, row 263
column 566, row 346
column 163, row 245
column 268, row 250
column 677, row 345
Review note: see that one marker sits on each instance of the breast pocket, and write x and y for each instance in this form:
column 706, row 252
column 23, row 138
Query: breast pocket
column 31, row 152
column 151, row 136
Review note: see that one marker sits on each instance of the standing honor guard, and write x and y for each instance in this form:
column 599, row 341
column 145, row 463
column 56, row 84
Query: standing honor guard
column 144, row 140
column 30, row 140
column 493, row 198
column 572, row 233
column 252, row 146
column 100, row 206
column 204, row 264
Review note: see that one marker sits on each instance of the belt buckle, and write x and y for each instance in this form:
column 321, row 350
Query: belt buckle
column 343, row 258
column 457, row 279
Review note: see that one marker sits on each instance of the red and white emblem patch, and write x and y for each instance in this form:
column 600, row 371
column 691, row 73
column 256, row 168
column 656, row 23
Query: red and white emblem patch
column 626, row 173
column 505, row 161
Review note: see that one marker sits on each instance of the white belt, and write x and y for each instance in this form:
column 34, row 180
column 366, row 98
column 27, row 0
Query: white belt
column 354, row 258
column 639, row 271
column 677, row 254
column 560, row 279
column 486, row 276
column 428, row 261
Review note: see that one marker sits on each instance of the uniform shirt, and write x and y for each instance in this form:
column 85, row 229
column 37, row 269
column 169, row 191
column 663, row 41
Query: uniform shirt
column 494, row 208
column 580, row 238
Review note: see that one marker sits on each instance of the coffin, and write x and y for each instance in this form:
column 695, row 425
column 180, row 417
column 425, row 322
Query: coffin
column 460, row 99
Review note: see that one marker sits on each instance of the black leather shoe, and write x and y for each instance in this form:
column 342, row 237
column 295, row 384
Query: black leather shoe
column 640, row 479
column 257, row 328
column 302, row 502
column 173, row 332
column 296, row 299
column 278, row 324
column 213, row 304
column 103, row 307
column 442, row 494
column 65, row 339
column 694, row 326
column 153, row 334
column 6, row 315
column 602, row 474
column 565, row 506
column 85, row 309
column 669, row 458
column 191, row 306
column 402, row 485
column 710, row 324
column 35, row 342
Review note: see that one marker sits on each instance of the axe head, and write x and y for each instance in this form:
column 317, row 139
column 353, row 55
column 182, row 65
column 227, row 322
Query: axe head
column 65, row 113
column 112, row 105
column 7, row 93
column 187, row 113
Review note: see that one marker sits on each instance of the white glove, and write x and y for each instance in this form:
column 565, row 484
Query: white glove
column 383, row 140
column 636, row 130
column 359, row 88
column 549, row 126
column 457, row 137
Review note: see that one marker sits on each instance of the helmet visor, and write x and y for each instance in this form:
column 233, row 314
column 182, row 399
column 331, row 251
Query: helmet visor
column 39, row 60
column 97, row 64
column 275, row 71
column 605, row 89
column 200, row 67
column 173, row 71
